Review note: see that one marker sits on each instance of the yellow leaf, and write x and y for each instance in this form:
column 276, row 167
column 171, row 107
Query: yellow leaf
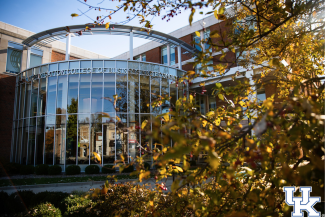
column 179, row 169
column 151, row 203
column 74, row 15
column 144, row 123
column 107, row 25
column 197, row 33
column 210, row 127
column 215, row 14
column 144, row 175
column 268, row 149
column 191, row 72
column 166, row 117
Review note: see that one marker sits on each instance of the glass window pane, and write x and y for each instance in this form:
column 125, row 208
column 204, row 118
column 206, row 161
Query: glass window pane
column 97, row 64
column 109, row 92
column 71, row 147
column 42, row 97
column 109, row 64
column 121, row 137
column 155, row 95
column 39, row 140
column 45, row 68
column 172, row 55
column 27, row 99
column 22, row 101
column 134, row 136
column 85, row 64
column 84, row 94
column 13, row 61
column 144, row 58
column 96, row 93
column 121, row 64
column 96, row 141
column 74, row 65
column 49, row 139
column 83, row 139
column 60, row 139
column 61, row 104
column 165, row 95
column 53, row 67
column 133, row 95
column 164, row 55
column 17, row 101
column 20, row 131
column 121, row 91
column 34, row 96
column 37, row 70
column 145, row 143
column 73, row 94
column 25, row 140
column 109, row 139
column 35, row 60
column 144, row 94
column 51, row 95
column 63, row 66
column 31, row 141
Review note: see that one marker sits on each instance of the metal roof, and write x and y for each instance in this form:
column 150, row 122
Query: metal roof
column 48, row 36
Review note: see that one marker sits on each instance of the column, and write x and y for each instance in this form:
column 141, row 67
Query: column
column 28, row 57
column 179, row 52
column 131, row 45
column 168, row 55
column 67, row 49
column 141, row 57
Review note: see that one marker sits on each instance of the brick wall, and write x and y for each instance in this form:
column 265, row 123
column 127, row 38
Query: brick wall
column 56, row 56
column 154, row 55
column 7, row 96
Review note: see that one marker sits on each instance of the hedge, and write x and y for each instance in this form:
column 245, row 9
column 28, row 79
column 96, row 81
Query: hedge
column 92, row 169
column 128, row 169
column 26, row 170
column 54, row 170
column 41, row 169
column 72, row 170
column 146, row 165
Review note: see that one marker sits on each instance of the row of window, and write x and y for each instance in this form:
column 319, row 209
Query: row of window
column 14, row 57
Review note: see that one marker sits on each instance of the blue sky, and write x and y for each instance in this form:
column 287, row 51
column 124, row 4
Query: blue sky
column 40, row 15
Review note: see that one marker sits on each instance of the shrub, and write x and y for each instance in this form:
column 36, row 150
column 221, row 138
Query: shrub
column 4, row 197
column 45, row 209
column 41, row 169
column 18, row 201
column 108, row 169
column 146, row 165
column 54, row 198
column 26, row 170
column 54, row 170
column 192, row 163
column 128, row 169
column 92, row 169
column 75, row 205
column 72, row 170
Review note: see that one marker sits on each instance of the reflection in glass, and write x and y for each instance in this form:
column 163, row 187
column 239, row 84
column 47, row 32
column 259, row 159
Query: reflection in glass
column 96, row 93
column 60, row 139
column 17, row 102
column 83, row 139
column 34, row 95
column 49, row 139
column 109, row 92
column 20, row 130
column 145, row 143
column 25, row 140
column 173, row 92
column 73, row 94
column 51, row 95
column 27, row 99
column 134, row 136
column 96, row 140
column 109, row 139
column 61, row 104
column 31, row 141
column 133, row 93
column 22, row 101
column 42, row 97
column 165, row 95
column 145, row 94
column 155, row 94
column 84, row 93
column 121, row 137
column 39, row 141
column 121, row 91
column 71, row 142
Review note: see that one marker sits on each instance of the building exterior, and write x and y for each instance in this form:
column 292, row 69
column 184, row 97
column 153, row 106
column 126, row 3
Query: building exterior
column 62, row 97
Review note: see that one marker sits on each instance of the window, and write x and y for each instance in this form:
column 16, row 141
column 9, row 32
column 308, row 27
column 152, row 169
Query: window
column 164, row 55
column 260, row 96
column 198, row 67
column 13, row 60
column 144, row 58
column 248, row 22
column 206, row 37
column 35, row 57
column 137, row 58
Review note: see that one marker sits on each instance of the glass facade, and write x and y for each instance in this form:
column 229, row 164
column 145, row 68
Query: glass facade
column 88, row 112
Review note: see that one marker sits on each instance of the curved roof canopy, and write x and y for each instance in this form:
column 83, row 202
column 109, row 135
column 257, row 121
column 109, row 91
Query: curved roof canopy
column 48, row 36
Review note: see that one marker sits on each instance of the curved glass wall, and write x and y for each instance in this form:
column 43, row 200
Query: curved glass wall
column 66, row 114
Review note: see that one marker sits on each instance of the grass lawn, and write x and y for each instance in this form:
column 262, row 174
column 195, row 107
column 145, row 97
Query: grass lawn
column 37, row 181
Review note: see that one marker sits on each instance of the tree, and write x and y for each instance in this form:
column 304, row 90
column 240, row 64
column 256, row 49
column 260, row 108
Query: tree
column 284, row 42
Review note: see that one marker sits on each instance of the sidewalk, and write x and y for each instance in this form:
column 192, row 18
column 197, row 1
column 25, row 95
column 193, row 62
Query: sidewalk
column 78, row 186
